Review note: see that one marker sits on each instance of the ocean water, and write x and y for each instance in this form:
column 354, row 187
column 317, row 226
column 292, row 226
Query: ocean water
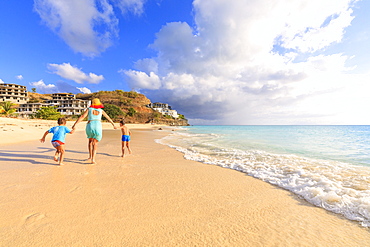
column 328, row 166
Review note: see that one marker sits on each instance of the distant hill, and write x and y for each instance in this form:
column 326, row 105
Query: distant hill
column 133, row 106
column 37, row 97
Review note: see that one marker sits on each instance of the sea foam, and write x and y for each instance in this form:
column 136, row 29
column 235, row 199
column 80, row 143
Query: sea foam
column 335, row 186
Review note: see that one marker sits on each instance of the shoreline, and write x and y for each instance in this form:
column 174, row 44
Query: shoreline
column 16, row 130
column 153, row 197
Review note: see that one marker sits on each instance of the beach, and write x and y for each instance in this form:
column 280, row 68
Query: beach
column 153, row 197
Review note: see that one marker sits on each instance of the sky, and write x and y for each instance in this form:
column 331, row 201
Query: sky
column 215, row 61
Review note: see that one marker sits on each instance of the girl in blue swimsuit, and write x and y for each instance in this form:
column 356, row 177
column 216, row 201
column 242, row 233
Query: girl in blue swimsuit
column 94, row 131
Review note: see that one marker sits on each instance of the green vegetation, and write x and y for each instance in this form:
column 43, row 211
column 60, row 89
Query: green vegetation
column 113, row 111
column 131, row 112
column 126, row 102
column 34, row 101
column 157, row 115
column 132, row 94
column 48, row 112
column 118, row 104
column 7, row 108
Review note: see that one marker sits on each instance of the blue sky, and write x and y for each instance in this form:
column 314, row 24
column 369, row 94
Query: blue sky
column 215, row 61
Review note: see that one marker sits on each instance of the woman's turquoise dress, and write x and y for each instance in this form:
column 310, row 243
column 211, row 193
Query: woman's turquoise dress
column 94, row 127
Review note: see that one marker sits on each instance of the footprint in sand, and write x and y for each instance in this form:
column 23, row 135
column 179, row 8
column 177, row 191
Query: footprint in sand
column 32, row 219
column 75, row 189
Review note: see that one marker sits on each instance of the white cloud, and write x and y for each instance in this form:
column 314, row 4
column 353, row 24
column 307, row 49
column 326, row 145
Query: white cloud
column 1, row 81
column 84, row 90
column 42, row 87
column 135, row 6
column 142, row 80
column 69, row 72
column 59, row 87
column 252, row 62
column 19, row 77
column 87, row 26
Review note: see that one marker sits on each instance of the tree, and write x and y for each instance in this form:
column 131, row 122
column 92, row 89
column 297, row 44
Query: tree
column 48, row 112
column 131, row 112
column 112, row 110
column 33, row 90
column 7, row 108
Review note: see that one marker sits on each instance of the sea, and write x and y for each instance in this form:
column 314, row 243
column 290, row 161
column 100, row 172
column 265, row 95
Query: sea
column 328, row 166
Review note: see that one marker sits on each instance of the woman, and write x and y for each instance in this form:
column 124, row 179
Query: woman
column 94, row 129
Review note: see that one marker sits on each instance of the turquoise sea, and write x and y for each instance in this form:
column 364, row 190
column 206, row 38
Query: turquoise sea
column 329, row 166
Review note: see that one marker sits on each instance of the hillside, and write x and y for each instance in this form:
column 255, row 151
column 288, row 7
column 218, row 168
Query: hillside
column 37, row 97
column 133, row 106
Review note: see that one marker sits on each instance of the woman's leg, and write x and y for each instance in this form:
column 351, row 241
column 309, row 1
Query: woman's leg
column 94, row 149
column 89, row 145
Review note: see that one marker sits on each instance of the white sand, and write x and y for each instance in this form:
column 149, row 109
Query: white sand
column 13, row 130
column 153, row 197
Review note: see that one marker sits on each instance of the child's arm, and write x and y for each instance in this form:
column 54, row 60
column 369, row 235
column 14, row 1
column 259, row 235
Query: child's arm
column 43, row 137
column 72, row 131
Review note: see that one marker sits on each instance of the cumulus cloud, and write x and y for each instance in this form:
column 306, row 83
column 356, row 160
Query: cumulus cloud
column 19, row 77
column 45, row 88
column 249, row 62
column 84, row 90
column 1, row 81
column 69, row 72
column 58, row 87
column 134, row 6
column 87, row 26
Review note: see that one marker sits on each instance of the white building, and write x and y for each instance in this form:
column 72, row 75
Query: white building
column 14, row 93
column 65, row 103
column 25, row 110
column 165, row 109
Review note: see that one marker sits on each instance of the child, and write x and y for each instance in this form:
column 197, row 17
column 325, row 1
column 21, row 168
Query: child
column 59, row 135
column 125, row 137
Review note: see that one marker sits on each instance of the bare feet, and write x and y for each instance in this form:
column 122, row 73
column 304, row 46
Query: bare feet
column 56, row 158
column 61, row 164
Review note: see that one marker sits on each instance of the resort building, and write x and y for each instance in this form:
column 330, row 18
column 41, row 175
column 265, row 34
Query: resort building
column 65, row 103
column 27, row 109
column 165, row 109
column 14, row 93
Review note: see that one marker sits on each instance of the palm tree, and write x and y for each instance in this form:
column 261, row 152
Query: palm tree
column 6, row 108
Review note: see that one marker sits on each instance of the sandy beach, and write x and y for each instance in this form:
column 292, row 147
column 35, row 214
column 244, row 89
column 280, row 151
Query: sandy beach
column 153, row 197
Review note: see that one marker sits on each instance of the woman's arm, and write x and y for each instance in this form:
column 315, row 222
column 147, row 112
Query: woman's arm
column 81, row 118
column 109, row 119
